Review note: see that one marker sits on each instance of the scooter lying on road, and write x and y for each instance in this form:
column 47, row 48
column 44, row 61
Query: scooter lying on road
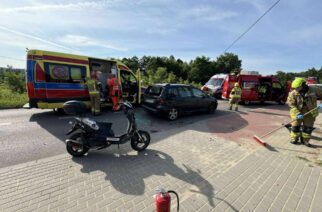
column 99, row 135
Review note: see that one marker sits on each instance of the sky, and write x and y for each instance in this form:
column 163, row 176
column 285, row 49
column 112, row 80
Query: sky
column 288, row 38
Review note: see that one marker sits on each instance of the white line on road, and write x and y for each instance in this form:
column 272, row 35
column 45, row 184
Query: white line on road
column 6, row 123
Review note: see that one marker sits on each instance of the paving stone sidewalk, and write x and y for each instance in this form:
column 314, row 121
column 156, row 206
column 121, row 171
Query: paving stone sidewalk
column 208, row 172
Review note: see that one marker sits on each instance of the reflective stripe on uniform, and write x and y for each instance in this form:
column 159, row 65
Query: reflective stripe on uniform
column 94, row 92
column 306, row 135
column 295, row 134
column 294, row 112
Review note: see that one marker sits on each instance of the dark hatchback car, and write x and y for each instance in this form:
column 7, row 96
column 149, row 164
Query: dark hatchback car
column 173, row 100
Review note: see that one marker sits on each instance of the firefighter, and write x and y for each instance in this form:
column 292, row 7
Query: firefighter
column 235, row 95
column 114, row 89
column 301, row 100
column 262, row 91
column 94, row 92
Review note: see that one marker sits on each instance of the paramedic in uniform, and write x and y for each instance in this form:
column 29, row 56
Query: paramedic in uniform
column 235, row 95
column 94, row 92
column 114, row 89
column 301, row 100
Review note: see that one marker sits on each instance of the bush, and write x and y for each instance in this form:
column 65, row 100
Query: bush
column 8, row 98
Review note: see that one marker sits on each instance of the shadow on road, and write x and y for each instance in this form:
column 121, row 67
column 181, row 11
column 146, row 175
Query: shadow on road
column 126, row 173
column 51, row 122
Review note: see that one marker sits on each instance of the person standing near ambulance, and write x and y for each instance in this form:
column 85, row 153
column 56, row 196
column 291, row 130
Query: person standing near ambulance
column 235, row 95
column 114, row 89
column 94, row 93
column 301, row 100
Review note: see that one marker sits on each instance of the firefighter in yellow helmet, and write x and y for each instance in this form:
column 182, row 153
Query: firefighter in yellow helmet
column 94, row 92
column 235, row 95
column 301, row 100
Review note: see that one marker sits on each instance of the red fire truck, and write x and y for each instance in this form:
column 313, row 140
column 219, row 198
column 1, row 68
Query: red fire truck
column 252, row 88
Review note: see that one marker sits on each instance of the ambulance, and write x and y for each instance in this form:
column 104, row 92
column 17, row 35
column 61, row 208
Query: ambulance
column 53, row 78
column 215, row 85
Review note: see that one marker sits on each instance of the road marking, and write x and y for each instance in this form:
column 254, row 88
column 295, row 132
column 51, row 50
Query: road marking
column 6, row 123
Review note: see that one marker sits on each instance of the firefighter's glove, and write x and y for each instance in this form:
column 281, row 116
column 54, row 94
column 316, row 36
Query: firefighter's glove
column 299, row 116
column 319, row 106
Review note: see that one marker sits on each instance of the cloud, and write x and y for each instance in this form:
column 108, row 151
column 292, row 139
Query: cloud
column 260, row 5
column 209, row 14
column 312, row 33
column 83, row 41
column 35, row 38
column 69, row 6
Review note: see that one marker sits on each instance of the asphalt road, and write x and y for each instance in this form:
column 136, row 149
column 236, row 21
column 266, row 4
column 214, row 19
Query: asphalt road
column 31, row 134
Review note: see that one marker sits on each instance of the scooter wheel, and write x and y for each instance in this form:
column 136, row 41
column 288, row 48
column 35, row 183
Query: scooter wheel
column 74, row 149
column 138, row 144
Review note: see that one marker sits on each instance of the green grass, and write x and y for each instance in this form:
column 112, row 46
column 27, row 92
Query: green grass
column 12, row 99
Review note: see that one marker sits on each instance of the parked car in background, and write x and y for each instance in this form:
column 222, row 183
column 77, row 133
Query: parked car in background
column 173, row 100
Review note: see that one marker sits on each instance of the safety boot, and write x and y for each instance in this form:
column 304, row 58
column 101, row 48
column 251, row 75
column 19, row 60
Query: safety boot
column 306, row 142
column 294, row 141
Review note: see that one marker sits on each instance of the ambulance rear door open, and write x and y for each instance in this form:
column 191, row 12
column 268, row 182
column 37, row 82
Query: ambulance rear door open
column 103, row 68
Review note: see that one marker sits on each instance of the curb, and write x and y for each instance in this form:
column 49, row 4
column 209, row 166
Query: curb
column 10, row 107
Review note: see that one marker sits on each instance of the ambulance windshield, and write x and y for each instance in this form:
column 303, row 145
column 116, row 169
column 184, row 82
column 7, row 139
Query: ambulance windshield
column 215, row 81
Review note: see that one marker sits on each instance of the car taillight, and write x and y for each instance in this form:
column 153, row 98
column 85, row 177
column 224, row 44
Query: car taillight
column 161, row 101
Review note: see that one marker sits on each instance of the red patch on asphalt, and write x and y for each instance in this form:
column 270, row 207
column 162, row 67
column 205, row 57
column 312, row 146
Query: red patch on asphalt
column 243, row 125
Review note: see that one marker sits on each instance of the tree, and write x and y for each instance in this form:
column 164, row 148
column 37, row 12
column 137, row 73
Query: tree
column 16, row 82
column 172, row 78
column 228, row 63
column 133, row 63
column 201, row 70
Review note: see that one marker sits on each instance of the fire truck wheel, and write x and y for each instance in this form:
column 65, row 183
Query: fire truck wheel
column 281, row 102
column 246, row 102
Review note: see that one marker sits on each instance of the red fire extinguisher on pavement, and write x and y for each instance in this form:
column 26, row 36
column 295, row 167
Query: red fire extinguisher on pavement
column 163, row 200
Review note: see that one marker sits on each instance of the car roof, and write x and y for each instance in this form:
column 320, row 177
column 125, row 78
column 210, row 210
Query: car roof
column 170, row 84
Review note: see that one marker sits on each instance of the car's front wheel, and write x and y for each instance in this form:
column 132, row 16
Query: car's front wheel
column 173, row 114
column 212, row 108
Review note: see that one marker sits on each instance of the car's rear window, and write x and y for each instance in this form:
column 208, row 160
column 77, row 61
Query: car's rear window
column 154, row 90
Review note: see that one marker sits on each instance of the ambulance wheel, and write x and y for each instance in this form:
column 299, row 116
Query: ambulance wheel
column 61, row 111
column 218, row 96
column 140, row 144
column 74, row 149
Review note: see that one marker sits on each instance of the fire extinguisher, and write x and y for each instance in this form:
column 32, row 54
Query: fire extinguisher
column 163, row 200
